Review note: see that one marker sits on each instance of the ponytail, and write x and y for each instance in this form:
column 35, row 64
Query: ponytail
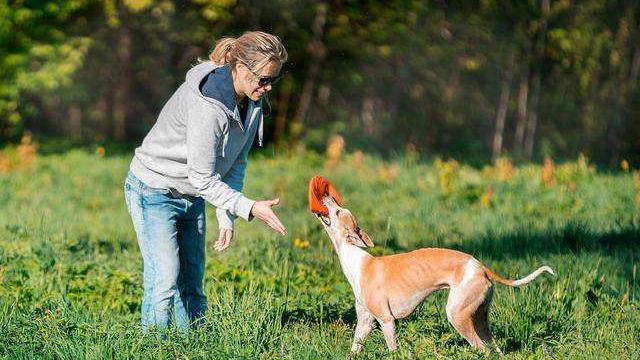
column 220, row 54
column 254, row 48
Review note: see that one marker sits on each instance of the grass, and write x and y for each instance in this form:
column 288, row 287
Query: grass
column 70, row 269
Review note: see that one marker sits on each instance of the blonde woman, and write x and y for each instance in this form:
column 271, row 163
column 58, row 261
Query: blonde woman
column 196, row 152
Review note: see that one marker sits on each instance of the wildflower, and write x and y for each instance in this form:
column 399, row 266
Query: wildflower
column 624, row 165
column 583, row 164
column 447, row 174
column 100, row 151
column 356, row 159
column 388, row 173
column 300, row 244
column 335, row 148
column 26, row 151
column 504, row 169
column 547, row 172
column 5, row 164
column 485, row 200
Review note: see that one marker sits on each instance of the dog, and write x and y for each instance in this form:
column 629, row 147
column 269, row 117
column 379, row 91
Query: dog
column 387, row 288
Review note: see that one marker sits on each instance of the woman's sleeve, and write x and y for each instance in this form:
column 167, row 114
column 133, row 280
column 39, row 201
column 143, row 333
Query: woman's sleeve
column 203, row 137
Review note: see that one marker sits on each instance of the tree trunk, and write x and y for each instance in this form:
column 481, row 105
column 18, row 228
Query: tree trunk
column 532, row 122
column 523, row 94
column 624, row 76
column 99, row 121
column 282, row 110
column 635, row 62
column 503, row 105
column 75, row 121
column 367, row 116
column 317, row 51
column 537, row 79
column 122, row 89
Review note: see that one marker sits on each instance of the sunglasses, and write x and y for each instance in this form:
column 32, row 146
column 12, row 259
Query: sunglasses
column 263, row 80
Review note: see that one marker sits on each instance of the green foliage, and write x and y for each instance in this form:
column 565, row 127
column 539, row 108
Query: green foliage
column 70, row 269
column 39, row 52
column 389, row 74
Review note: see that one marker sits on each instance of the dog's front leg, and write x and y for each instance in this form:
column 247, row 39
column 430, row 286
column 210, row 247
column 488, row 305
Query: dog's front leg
column 363, row 328
column 389, row 330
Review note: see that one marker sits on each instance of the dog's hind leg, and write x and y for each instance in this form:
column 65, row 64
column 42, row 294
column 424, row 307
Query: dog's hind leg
column 464, row 302
column 481, row 321
column 363, row 328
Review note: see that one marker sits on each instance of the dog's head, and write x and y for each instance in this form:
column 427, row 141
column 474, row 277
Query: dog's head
column 341, row 225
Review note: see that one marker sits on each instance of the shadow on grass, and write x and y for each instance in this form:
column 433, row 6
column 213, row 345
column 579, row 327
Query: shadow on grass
column 331, row 315
column 571, row 238
column 568, row 239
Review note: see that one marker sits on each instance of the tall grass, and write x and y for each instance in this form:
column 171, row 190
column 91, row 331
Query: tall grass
column 70, row 270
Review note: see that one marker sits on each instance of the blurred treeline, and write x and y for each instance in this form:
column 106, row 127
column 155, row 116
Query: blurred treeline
column 468, row 79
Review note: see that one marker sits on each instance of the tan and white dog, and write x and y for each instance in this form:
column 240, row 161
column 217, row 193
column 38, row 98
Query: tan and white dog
column 387, row 288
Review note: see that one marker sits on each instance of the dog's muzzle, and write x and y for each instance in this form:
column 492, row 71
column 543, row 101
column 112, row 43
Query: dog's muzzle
column 326, row 222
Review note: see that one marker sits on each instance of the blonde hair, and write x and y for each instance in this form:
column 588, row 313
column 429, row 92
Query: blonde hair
column 253, row 48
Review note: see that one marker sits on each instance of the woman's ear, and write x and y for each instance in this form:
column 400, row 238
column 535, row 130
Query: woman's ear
column 236, row 67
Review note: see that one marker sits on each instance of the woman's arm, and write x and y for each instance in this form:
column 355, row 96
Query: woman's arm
column 203, row 135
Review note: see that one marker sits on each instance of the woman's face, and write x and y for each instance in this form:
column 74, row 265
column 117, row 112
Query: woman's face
column 247, row 80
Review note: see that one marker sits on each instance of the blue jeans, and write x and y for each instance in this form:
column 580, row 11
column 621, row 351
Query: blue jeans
column 171, row 237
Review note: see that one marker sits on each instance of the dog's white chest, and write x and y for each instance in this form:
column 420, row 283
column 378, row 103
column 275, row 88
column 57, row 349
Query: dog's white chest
column 351, row 260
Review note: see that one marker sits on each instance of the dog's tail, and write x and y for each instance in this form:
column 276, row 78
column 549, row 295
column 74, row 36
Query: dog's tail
column 524, row 281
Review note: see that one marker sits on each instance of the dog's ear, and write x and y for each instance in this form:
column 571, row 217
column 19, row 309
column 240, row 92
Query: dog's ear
column 354, row 239
column 355, row 235
column 365, row 238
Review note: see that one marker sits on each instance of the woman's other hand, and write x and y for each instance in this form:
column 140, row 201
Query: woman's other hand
column 262, row 210
column 224, row 239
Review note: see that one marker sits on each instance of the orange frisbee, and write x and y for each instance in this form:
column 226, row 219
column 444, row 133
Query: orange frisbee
column 320, row 187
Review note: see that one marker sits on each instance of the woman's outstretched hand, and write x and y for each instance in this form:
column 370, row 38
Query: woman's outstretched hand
column 262, row 210
column 224, row 239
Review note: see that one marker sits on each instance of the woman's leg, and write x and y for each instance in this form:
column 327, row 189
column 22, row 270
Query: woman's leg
column 192, row 260
column 133, row 199
column 161, row 225
column 155, row 215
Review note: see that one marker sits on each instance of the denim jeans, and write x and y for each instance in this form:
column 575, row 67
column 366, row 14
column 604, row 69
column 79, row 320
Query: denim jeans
column 171, row 236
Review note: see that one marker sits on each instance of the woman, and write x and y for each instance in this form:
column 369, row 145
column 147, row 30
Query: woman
column 196, row 151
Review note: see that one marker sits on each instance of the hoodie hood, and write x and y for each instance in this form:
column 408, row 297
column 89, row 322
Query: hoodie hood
column 221, row 94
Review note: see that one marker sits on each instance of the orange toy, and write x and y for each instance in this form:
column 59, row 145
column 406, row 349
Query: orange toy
column 318, row 188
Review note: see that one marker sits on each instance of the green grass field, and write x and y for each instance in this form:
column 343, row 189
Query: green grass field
column 70, row 269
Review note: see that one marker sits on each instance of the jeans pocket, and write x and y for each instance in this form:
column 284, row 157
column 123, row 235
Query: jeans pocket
column 154, row 196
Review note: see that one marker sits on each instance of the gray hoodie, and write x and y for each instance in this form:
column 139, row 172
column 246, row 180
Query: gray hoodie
column 199, row 147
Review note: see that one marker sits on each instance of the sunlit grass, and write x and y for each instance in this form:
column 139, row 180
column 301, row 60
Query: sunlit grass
column 70, row 269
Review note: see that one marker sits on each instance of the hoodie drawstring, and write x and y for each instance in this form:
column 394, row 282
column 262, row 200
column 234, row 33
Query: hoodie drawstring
column 260, row 129
column 225, row 138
